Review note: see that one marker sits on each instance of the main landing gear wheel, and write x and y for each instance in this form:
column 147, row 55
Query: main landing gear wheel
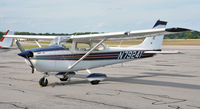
column 64, row 79
column 95, row 82
column 95, row 78
column 43, row 82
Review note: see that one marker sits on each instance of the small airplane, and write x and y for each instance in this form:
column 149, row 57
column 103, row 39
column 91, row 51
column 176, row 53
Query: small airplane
column 6, row 43
column 68, row 54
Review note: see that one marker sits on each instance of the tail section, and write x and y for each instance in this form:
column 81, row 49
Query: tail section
column 6, row 42
column 153, row 43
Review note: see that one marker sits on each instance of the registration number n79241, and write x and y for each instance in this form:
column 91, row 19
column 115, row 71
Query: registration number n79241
column 130, row 54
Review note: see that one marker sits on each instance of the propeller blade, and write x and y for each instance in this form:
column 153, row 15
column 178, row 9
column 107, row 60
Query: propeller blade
column 20, row 46
column 25, row 54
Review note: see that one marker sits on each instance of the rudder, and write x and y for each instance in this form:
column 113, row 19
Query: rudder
column 155, row 42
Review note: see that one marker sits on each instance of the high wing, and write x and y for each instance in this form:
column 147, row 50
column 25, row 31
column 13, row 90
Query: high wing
column 107, row 36
column 34, row 37
column 129, row 35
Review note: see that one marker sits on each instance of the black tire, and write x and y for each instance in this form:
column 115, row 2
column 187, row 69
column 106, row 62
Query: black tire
column 43, row 82
column 95, row 82
column 63, row 79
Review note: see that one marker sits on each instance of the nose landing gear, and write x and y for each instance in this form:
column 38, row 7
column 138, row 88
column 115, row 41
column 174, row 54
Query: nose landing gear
column 43, row 81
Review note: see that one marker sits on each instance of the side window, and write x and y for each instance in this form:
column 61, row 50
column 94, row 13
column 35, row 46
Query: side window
column 66, row 45
column 100, row 47
column 82, row 46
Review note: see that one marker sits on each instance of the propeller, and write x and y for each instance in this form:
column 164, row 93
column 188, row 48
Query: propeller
column 26, row 55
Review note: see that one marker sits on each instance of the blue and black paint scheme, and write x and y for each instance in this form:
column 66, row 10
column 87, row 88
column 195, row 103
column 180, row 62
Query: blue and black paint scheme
column 30, row 52
column 127, row 54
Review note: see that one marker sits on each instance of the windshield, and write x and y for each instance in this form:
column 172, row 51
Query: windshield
column 60, row 41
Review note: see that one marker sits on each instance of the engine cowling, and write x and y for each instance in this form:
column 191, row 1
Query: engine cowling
column 26, row 54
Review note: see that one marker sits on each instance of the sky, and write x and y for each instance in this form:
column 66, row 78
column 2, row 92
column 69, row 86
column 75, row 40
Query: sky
column 68, row 16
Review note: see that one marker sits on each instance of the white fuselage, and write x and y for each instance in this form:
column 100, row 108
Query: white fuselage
column 61, row 60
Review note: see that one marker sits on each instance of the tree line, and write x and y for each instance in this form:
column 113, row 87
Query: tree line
column 185, row 35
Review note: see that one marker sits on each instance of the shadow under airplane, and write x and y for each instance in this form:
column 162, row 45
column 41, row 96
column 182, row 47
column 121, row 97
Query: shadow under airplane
column 138, row 80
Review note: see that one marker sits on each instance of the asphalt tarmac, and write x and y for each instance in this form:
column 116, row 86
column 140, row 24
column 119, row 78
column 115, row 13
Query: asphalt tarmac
column 162, row 82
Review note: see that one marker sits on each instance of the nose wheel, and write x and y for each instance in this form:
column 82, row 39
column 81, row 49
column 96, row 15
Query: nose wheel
column 43, row 82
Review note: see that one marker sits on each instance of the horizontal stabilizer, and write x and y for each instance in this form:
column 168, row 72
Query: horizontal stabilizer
column 164, row 52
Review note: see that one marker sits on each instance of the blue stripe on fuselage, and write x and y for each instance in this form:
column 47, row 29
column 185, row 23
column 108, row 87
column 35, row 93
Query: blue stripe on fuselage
column 104, row 55
column 130, row 54
column 49, row 48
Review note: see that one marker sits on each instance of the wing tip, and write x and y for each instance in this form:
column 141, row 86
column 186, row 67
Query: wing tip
column 177, row 29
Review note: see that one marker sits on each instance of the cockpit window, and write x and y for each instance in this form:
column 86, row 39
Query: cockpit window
column 62, row 42
column 86, row 46
column 68, row 45
column 65, row 42
column 55, row 41
column 82, row 46
column 100, row 47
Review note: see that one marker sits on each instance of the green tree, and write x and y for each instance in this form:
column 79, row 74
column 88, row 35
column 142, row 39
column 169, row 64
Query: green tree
column 189, row 35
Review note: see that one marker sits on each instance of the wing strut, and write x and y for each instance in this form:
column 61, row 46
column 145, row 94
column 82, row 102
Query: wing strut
column 86, row 54
column 36, row 41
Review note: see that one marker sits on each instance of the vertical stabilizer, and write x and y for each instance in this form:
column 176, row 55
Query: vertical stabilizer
column 6, row 42
column 153, row 43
